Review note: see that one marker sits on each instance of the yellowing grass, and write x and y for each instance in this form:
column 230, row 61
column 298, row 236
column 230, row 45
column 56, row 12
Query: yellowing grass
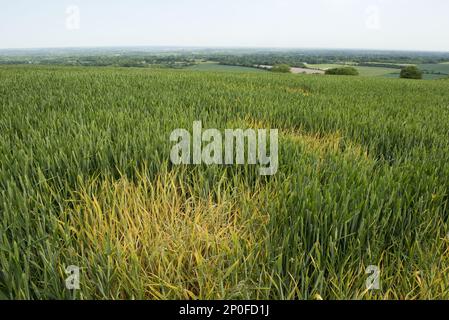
column 86, row 180
column 159, row 236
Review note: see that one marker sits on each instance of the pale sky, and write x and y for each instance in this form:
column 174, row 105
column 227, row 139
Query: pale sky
column 369, row 24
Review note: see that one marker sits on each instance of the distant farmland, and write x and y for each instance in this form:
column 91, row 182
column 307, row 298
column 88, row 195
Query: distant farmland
column 364, row 71
column 431, row 71
column 436, row 71
column 213, row 66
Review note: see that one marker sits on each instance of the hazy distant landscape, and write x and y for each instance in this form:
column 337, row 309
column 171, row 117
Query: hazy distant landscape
column 369, row 63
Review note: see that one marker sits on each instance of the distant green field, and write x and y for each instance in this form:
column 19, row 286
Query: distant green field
column 440, row 67
column 213, row 66
column 434, row 76
column 325, row 66
column 376, row 71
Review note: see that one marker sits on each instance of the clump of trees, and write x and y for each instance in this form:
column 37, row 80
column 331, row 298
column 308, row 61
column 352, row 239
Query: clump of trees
column 411, row 72
column 344, row 71
column 283, row 68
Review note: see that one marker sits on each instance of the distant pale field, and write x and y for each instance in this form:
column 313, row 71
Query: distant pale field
column 306, row 71
column 364, row 71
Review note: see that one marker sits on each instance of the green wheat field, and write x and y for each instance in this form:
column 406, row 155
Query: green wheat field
column 86, row 180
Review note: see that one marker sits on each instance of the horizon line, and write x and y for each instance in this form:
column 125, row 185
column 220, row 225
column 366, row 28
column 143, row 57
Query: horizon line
column 219, row 47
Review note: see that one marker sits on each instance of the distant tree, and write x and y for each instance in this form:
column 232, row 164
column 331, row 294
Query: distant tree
column 411, row 72
column 283, row 68
column 344, row 71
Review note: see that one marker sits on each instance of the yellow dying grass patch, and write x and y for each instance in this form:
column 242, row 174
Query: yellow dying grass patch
column 333, row 143
column 420, row 283
column 318, row 143
column 160, row 239
column 300, row 91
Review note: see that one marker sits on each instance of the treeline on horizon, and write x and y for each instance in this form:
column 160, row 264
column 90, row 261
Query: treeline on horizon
column 135, row 61
column 247, row 58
